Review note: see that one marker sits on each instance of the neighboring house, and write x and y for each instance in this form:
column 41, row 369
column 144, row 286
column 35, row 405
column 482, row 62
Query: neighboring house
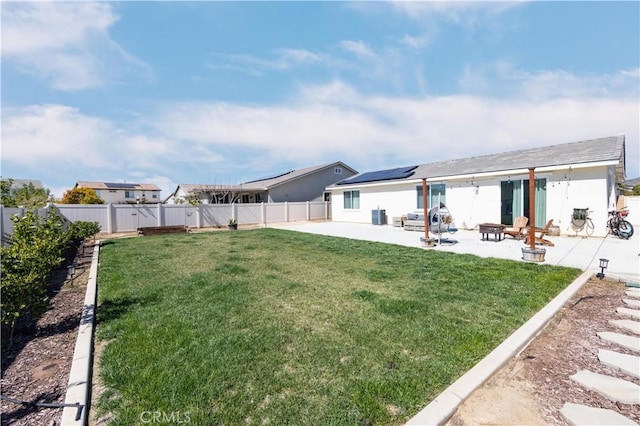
column 494, row 188
column 124, row 193
column 19, row 183
column 306, row 184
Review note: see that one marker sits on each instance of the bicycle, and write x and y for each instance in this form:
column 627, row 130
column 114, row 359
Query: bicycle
column 580, row 219
column 618, row 225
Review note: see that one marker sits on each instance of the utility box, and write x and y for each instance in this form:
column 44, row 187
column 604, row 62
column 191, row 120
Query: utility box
column 379, row 217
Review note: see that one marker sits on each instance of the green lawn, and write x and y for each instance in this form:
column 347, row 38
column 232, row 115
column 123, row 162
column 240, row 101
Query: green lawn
column 276, row 327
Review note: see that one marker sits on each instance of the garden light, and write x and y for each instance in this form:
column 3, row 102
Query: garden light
column 603, row 265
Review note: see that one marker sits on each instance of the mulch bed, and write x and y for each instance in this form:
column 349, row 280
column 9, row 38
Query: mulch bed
column 570, row 344
column 36, row 366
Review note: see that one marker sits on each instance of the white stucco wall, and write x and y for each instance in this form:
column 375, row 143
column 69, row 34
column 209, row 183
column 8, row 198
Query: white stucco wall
column 633, row 204
column 477, row 200
column 582, row 188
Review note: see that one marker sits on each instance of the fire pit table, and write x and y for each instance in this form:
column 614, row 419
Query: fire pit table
column 492, row 228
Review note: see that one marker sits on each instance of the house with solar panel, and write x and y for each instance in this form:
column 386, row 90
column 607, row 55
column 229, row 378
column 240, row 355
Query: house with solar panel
column 494, row 188
column 123, row 192
column 300, row 185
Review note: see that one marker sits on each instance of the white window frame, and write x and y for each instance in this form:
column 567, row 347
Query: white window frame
column 348, row 199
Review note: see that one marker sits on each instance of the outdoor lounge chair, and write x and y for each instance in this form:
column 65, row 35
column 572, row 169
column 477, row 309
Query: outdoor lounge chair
column 518, row 229
column 541, row 232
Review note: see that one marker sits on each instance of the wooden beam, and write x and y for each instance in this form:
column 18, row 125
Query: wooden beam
column 532, row 209
column 425, row 207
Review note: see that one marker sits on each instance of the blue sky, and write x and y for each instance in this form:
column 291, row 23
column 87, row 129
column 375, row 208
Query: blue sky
column 225, row 92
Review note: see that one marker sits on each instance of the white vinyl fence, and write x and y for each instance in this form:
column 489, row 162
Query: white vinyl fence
column 129, row 217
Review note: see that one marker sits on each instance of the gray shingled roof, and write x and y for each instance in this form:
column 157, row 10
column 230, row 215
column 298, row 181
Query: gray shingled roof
column 589, row 151
column 260, row 184
column 19, row 183
column 263, row 184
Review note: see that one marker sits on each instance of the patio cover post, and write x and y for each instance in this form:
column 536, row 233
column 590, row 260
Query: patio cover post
column 532, row 209
column 425, row 206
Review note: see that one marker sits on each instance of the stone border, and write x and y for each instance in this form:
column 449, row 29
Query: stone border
column 444, row 406
column 79, row 387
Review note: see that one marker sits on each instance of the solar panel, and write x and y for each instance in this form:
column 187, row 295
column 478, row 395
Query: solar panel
column 380, row 175
column 120, row 185
column 270, row 177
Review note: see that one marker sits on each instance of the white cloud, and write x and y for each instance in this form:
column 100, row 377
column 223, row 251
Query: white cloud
column 40, row 134
column 358, row 48
column 416, row 42
column 281, row 59
column 65, row 44
column 468, row 13
column 29, row 28
column 505, row 79
column 336, row 122
column 227, row 143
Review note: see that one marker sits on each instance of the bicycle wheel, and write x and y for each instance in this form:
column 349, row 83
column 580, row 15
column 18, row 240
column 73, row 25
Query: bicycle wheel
column 589, row 227
column 625, row 229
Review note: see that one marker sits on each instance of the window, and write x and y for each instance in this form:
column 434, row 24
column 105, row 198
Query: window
column 98, row 192
column 351, row 199
column 437, row 192
column 337, row 170
column 154, row 196
column 129, row 194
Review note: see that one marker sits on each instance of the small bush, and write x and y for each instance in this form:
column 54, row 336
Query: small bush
column 79, row 231
column 35, row 250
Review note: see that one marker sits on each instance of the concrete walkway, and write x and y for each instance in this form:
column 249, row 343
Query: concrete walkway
column 577, row 252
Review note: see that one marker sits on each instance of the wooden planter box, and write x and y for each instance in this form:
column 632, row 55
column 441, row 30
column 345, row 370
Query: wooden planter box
column 161, row 230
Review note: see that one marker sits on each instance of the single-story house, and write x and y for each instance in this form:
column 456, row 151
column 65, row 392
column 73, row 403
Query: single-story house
column 495, row 188
column 20, row 183
column 123, row 192
column 307, row 184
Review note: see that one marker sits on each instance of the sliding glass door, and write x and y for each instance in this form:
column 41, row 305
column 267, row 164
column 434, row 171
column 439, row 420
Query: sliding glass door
column 514, row 198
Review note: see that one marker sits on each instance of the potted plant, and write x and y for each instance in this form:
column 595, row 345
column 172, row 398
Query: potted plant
column 233, row 224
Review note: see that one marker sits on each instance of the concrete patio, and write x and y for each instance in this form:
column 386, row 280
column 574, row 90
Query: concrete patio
column 573, row 251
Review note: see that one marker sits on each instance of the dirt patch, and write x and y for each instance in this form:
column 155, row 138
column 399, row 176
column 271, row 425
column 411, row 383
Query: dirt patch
column 36, row 366
column 533, row 387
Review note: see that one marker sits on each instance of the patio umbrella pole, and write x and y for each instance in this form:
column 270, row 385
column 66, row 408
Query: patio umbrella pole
column 425, row 208
column 532, row 209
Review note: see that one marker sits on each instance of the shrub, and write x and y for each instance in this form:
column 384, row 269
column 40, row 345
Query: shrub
column 35, row 250
column 79, row 231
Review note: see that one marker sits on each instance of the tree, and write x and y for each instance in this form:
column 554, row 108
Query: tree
column 6, row 199
column 27, row 196
column 31, row 197
column 81, row 196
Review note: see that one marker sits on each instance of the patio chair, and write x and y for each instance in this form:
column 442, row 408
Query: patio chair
column 518, row 229
column 541, row 232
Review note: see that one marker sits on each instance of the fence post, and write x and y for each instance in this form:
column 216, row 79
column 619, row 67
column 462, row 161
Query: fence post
column 109, row 219
column 263, row 213
column 234, row 211
column 199, row 216
column 286, row 211
column 160, row 218
column 308, row 211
